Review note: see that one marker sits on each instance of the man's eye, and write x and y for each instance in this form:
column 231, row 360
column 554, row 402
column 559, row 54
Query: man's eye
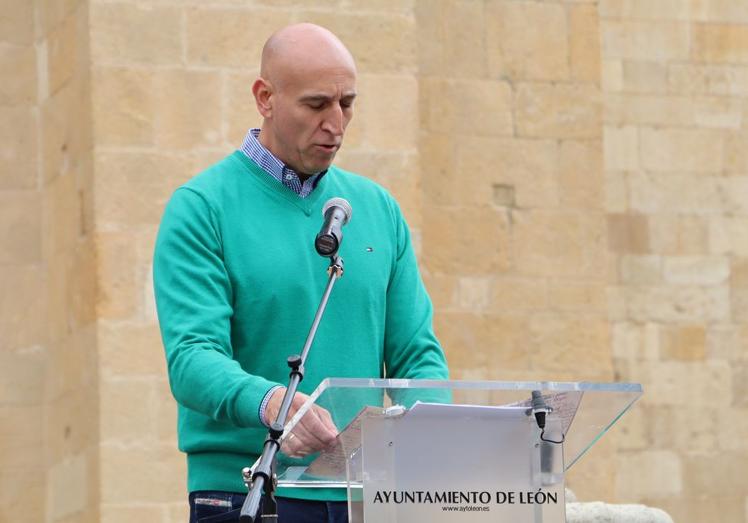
column 316, row 107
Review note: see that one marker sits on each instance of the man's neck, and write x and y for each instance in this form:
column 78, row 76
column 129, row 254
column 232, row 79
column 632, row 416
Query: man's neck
column 265, row 140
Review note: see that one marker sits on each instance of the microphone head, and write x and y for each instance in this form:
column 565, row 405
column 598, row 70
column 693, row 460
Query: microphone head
column 339, row 202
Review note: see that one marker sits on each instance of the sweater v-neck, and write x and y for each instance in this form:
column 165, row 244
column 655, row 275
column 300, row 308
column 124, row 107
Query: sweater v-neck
column 272, row 186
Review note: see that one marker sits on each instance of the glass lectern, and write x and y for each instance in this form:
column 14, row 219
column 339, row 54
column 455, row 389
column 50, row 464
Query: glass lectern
column 438, row 451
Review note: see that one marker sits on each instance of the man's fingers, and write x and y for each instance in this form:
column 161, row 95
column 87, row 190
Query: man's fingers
column 326, row 419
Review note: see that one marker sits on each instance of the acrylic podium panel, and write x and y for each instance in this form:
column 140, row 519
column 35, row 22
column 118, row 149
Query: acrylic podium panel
column 442, row 457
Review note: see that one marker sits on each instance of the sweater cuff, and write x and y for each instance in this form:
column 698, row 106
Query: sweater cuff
column 264, row 404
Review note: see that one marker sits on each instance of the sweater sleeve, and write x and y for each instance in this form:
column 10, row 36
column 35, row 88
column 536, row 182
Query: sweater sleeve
column 411, row 349
column 194, row 304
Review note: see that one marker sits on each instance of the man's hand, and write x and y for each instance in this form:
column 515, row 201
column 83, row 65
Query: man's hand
column 314, row 432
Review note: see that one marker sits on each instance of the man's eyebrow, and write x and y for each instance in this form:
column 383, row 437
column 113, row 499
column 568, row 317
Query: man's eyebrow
column 324, row 97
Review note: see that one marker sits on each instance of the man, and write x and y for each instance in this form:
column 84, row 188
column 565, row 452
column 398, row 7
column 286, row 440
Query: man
column 237, row 282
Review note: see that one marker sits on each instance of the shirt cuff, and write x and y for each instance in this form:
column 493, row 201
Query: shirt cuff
column 264, row 404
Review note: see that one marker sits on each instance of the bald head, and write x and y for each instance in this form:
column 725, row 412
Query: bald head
column 302, row 46
column 305, row 95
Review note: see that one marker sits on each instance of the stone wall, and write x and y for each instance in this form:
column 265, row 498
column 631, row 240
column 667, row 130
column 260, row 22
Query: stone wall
column 48, row 362
column 573, row 171
column 675, row 80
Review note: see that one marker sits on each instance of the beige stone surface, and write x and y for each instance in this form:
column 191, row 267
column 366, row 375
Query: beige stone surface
column 590, row 156
column 536, row 51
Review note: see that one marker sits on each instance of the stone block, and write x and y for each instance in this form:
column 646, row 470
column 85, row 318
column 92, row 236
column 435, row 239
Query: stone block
column 62, row 215
column 739, row 303
column 124, row 513
column 22, row 380
column 18, row 88
column 123, row 420
column 529, row 167
column 448, row 35
column 728, row 235
column 518, row 295
column 487, row 239
column 442, row 289
column 132, row 189
column 681, row 150
column 648, row 474
column 718, row 113
column 388, row 123
column 628, row 233
column 22, row 289
column 736, row 153
column 473, row 293
column 611, row 75
column 20, row 492
column 21, row 437
column 165, row 411
column 727, row 80
column 678, row 234
column 71, row 423
column 242, row 114
column 720, row 43
column 187, row 109
column 702, row 507
column 724, row 11
column 116, row 282
column 459, row 330
column 645, row 77
column 688, row 431
column 645, row 40
column 62, row 53
column 696, row 270
column 17, row 22
column 581, row 174
column 137, row 475
column 684, row 343
column 584, row 43
column 123, row 106
column 740, row 385
column 18, row 148
column 678, row 304
column 574, row 241
column 727, row 342
column 529, row 41
column 437, row 163
column 645, row 109
column 230, row 37
column 644, row 10
column 577, row 297
column 475, row 107
column 700, row 477
column 635, row 341
column 52, row 12
column 621, row 147
column 20, row 227
column 379, row 42
column 687, row 78
column 67, row 488
column 616, row 198
column 558, row 111
column 633, row 429
column 141, row 34
column 560, row 345
column 66, row 143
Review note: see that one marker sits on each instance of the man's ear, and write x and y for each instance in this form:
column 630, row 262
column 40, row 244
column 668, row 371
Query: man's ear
column 263, row 91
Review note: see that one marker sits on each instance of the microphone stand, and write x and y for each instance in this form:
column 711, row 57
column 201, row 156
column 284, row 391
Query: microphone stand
column 262, row 480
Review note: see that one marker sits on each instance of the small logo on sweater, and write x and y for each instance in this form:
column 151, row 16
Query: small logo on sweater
column 370, row 249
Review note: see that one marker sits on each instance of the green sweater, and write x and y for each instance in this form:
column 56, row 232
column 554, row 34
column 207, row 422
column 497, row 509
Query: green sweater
column 237, row 284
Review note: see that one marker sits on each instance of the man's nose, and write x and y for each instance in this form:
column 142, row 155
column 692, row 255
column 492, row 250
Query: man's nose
column 333, row 122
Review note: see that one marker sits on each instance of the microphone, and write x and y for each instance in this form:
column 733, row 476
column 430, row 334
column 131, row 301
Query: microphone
column 337, row 212
column 539, row 408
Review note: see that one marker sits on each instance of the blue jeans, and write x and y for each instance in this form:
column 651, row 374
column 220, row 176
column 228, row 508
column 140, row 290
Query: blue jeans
column 211, row 506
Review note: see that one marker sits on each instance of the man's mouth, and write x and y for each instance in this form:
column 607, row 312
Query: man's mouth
column 327, row 147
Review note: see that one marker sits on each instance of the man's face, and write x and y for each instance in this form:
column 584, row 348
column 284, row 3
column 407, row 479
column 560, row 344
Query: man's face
column 311, row 109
